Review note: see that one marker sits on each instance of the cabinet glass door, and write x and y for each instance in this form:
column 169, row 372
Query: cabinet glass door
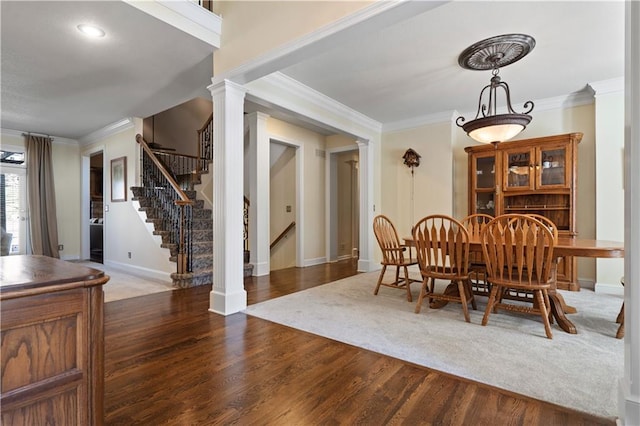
column 485, row 172
column 553, row 170
column 484, row 184
column 519, row 170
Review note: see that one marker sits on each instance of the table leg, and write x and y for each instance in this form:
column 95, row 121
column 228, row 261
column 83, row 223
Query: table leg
column 558, row 311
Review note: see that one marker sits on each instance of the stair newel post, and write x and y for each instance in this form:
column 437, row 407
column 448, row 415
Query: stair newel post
column 183, row 254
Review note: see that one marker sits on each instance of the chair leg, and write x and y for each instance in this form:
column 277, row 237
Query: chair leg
column 620, row 317
column 620, row 332
column 384, row 268
column 408, row 284
column 471, row 295
column 543, row 311
column 423, row 291
column 463, row 300
column 492, row 299
column 397, row 275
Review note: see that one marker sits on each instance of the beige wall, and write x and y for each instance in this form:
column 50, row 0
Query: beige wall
column 178, row 127
column 253, row 28
column 609, row 181
column 312, row 149
column 432, row 181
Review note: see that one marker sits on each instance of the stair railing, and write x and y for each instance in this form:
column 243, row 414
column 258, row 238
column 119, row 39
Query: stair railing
column 166, row 193
column 245, row 220
column 182, row 167
column 205, row 145
column 282, row 235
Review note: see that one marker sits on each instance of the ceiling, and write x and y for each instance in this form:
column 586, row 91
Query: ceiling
column 410, row 70
column 55, row 81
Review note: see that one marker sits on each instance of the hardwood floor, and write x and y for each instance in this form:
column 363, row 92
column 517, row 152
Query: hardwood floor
column 168, row 361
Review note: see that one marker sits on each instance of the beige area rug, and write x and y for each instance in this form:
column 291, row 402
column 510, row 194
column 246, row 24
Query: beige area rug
column 123, row 285
column 579, row 371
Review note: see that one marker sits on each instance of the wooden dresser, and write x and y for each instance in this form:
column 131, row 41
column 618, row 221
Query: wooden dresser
column 52, row 354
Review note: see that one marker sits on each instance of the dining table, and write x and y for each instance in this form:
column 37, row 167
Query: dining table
column 565, row 246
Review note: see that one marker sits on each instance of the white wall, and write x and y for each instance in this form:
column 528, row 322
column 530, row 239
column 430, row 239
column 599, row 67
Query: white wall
column 124, row 230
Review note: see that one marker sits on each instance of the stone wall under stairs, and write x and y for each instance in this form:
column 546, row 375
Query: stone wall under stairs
column 202, row 236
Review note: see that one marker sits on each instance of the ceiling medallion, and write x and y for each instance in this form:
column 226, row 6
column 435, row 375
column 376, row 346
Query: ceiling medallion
column 490, row 54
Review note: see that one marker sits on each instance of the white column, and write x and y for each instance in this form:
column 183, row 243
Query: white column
column 629, row 408
column 609, row 156
column 259, row 194
column 228, row 295
column 365, row 260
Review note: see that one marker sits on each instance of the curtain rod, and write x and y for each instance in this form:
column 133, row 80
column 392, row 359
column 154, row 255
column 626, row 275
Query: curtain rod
column 37, row 134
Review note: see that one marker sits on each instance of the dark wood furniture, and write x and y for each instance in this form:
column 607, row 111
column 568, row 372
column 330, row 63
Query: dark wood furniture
column 393, row 254
column 530, row 176
column 52, row 342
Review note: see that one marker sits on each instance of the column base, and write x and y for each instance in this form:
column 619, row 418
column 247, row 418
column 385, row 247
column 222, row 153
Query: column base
column 227, row 303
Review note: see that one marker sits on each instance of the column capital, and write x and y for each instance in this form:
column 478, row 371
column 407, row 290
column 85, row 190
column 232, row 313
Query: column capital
column 226, row 85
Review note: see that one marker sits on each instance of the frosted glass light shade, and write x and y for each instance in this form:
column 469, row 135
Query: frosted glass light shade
column 498, row 133
column 496, row 128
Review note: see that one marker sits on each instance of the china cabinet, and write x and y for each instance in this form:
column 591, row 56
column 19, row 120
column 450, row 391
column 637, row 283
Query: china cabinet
column 529, row 176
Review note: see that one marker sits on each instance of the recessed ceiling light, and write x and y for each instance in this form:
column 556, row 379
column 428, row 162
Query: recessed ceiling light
column 91, row 30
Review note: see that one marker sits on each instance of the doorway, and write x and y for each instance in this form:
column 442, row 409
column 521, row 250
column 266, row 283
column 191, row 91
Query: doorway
column 344, row 205
column 283, row 206
column 13, row 208
column 92, row 202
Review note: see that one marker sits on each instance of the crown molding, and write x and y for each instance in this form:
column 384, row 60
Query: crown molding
column 412, row 123
column 290, row 86
column 56, row 139
column 605, row 87
column 108, row 130
column 583, row 97
column 186, row 16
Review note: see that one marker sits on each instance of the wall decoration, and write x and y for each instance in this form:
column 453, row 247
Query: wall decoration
column 119, row 179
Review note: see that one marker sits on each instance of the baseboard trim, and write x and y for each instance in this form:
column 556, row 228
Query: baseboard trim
column 313, row 262
column 140, row 271
column 606, row 288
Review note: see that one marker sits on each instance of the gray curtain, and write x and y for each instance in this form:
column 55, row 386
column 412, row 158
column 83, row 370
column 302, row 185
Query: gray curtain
column 43, row 224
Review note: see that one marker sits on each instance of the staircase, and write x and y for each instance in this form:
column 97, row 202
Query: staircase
column 200, row 236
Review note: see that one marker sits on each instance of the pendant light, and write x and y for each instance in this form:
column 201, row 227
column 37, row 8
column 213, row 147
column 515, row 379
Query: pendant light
column 489, row 126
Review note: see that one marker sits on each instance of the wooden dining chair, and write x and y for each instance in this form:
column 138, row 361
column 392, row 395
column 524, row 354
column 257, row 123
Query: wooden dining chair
column 442, row 246
column 393, row 254
column 518, row 251
column 529, row 296
column 474, row 223
column 620, row 319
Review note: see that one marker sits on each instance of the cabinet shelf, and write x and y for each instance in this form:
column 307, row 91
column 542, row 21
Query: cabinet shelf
column 537, row 207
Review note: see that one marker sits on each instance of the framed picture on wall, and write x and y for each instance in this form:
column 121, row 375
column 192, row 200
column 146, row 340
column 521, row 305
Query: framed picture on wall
column 119, row 179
